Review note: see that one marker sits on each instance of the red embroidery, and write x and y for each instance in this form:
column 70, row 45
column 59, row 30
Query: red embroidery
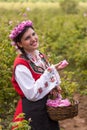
column 49, row 69
column 46, row 84
column 40, row 90
column 52, row 79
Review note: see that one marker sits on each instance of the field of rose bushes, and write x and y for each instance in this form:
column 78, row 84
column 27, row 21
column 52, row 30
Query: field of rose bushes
column 61, row 36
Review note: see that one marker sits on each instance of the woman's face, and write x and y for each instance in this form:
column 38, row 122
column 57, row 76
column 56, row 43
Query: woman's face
column 29, row 41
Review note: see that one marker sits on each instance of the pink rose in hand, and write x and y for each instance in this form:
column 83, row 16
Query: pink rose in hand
column 64, row 63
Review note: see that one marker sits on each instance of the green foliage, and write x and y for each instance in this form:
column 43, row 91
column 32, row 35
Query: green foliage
column 21, row 125
column 69, row 85
column 69, row 6
column 0, row 124
column 6, row 62
column 37, row 0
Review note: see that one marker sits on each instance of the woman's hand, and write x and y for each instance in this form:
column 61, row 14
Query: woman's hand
column 56, row 92
column 61, row 65
column 59, row 89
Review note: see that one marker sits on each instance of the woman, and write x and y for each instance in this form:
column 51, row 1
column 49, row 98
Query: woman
column 33, row 78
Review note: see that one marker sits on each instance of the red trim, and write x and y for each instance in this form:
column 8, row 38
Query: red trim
column 17, row 112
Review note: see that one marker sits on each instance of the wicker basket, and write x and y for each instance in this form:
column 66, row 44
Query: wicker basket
column 61, row 113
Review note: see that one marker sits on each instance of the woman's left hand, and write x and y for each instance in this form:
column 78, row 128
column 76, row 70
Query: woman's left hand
column 61, row 65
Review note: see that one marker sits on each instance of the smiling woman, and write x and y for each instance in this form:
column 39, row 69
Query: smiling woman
column 33, row 78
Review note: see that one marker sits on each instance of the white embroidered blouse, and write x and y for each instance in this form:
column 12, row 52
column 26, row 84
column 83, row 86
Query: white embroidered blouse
column 36, row 90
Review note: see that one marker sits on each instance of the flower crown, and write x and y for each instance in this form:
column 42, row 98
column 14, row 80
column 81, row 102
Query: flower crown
column 19, row 28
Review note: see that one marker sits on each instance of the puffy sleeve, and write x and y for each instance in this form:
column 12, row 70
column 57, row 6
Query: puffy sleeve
column 36, row 90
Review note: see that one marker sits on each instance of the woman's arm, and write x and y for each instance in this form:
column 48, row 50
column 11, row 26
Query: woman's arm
column 35, row 90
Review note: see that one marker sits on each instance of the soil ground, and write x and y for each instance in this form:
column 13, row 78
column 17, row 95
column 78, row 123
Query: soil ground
column 80, row 121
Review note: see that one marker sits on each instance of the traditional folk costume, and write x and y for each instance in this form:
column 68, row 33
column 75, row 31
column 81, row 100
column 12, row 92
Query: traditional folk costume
column 33, row 80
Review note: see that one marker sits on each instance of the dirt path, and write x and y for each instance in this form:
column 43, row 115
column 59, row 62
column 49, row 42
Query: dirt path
column 79, row 122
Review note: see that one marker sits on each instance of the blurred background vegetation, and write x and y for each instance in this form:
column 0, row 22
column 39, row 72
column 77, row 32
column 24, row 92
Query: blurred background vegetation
column 62, row 29
column 38, row 0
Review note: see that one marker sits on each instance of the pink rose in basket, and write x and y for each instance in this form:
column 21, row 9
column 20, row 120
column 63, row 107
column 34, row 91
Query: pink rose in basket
column 53, row 103
column 65, row 102
column 58, row 102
